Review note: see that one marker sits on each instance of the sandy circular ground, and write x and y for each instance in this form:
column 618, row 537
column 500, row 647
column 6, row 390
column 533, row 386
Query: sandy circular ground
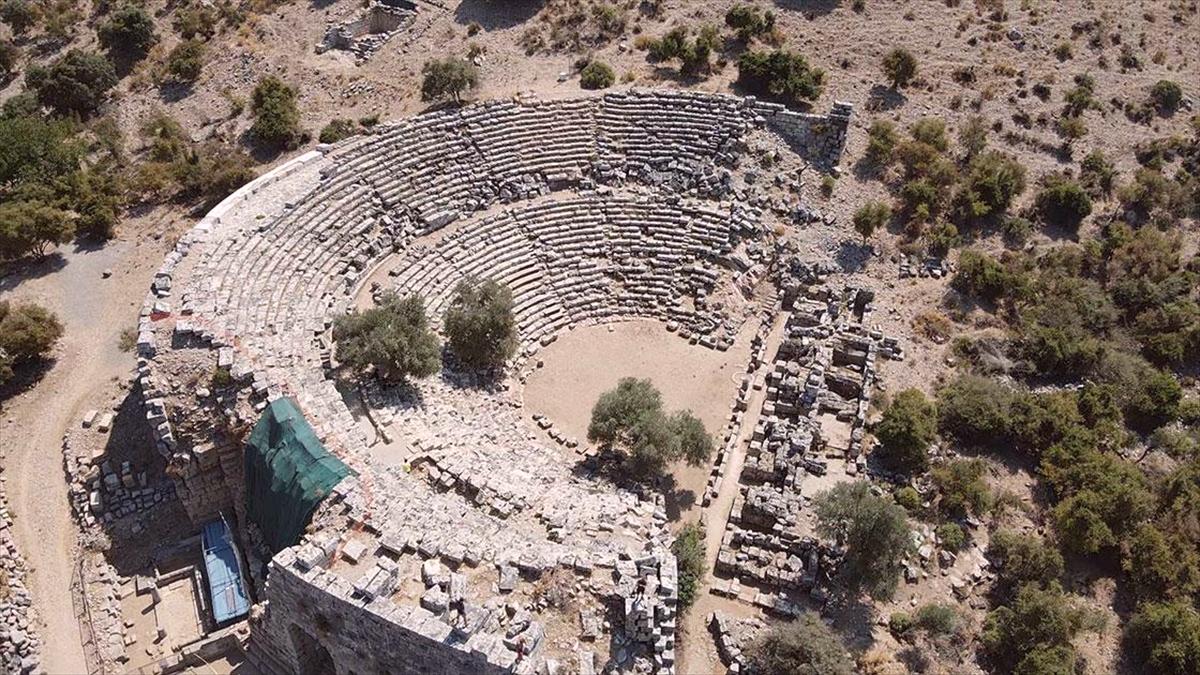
column 586, row 362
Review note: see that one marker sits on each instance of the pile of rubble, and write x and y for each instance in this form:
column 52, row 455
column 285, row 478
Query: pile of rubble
column 20, row 648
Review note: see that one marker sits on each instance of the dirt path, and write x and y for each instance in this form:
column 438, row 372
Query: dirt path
column 699, row 654
column 93, row 312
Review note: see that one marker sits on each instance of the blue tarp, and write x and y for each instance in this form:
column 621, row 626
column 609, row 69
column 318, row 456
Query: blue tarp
column 225, row 587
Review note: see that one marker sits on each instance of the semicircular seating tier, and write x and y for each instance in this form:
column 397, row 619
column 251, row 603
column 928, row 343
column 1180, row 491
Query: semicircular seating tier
column 590, row 210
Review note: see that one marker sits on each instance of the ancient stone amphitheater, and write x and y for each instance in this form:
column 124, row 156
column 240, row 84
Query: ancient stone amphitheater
column 452, row 547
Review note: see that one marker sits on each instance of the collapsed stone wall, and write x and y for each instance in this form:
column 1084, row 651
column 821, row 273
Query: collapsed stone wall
column 311, row 622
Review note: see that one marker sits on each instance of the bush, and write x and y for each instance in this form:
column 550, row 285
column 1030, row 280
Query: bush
column 900, row 67
column 1034, row 632
column 597, row 75
column 881, row 142
column 780, row 74
column 1063, row 202
column 908, row 498
column 32, row 227
column 27, row 334
column 186, row 60
column 1165, row 638
column 975, row 410
column 951, row 537
column 276, row 117
column 1023, row 559
column 870, row 217
column 907, row 428
column 749, row 22
column 938, row 620
column 900, row 623
column 1097, row 173
column 338, row 129
column 128, row 31
column 694, row 55
column 875, row 532
column 449, row 77
column 393, row 339
column 631, row 419
column 1160, row 566
column 75, row 83
column 480, row 329
column 962, row 488
column 196, row 20
column 10, row 54
column 993, row 180
column 1166, row 96
column 803, row 646
column 982, row 276
column 20, row 15
column 688, row 548
column 973, row 136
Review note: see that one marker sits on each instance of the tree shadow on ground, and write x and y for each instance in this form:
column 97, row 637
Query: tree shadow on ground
column 137, row 538
column 490, row 14
column 852, row 256
column 882, row 98
column 16, row 272
column 809, row 8
column 174, row 92
column 25, row 376
column 608, row 464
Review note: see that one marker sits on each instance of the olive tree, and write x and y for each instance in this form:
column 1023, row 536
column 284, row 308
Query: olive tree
column 392, row 339
column 480, row 328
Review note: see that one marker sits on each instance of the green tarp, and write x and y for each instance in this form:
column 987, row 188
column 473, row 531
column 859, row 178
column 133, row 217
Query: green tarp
column 288, row 473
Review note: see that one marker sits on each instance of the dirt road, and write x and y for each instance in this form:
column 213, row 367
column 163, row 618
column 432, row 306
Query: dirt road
column 93, row 311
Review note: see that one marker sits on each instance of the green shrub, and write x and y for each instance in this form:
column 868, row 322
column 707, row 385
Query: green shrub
column 688, row 548
column 975, row 410
column 937, row 619
column 32, row 227
column 27, row 334
column 1166, row 96
column 393, row 339
column 129, row 31
column 749, row 22
column 597, row 75
column 875, row 532
column 908, row 498
column 1165, row 638
column 780, row 74
column 900, row 67
column 870, row 217
column 75, row 83
column 196, row 20
column 1034, row 633
column 336, row 130
column 276, row 117
column 186, row 60
column 881, row 142
column 962, row 487
column 907, row 428
column 951, row 537
column 992, row 182
column 10, row 54
column 1063, row 202
column 1160, row 566
column 804, row 646
column 982, row 276
column 20, row 15
column 480, row 327
column 1097, row 173
column 899, row 623
column 973, row 136
column 631, row 419
column 450, row 77
column 1023, row 559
